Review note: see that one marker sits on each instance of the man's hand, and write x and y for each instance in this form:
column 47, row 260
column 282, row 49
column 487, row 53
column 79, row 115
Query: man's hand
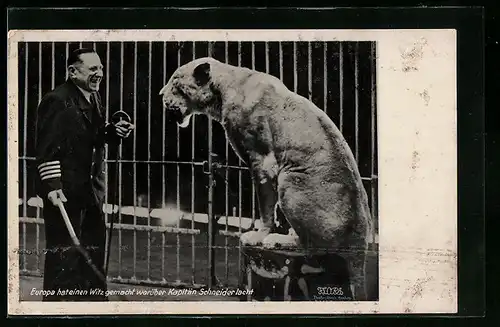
column 123, row 128
column 56, row 196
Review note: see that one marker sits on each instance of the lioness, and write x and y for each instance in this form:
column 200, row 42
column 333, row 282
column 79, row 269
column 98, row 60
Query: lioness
column 298, row 158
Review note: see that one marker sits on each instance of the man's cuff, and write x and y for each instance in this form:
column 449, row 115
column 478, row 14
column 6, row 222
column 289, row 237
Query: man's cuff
column 50, row 175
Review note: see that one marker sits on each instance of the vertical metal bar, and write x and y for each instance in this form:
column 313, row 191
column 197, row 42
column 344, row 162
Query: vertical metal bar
column 240, row 195
column 39, row 100
column 280, row 53
column 53, row 66
column 226, row 244
column 211, row 265
column 267, row 56
column 25, row 150
column 239, row 243
column 210, row 207
column 134, row 154
column 356, row 102
column 150, row 55
column 164, row 179
column 193, row 190
column 163, row 257
column 266, row 50
column 240, row 191
column 295, row 79
column 38, row 208
column 295, row 73
column 309, row 71
column 120, row 171
column 253, row 184
column 178, row 181
column 373, row 180
column 40, row 49
column 38, row 249
column 106, row 153
column 341, row 84
column 38, row 253
column 253, row 54
column 325, row 78
column 67, row 55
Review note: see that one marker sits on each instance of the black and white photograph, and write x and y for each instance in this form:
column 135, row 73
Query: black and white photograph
column 221, row 168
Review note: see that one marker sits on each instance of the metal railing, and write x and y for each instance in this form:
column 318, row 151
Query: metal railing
column 193, row 226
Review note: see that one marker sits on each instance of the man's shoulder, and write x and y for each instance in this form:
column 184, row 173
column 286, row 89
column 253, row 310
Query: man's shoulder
column 60, row 94
column 57, row 100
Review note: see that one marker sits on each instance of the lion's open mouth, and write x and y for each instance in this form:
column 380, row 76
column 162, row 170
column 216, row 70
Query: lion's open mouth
column 185, row 121
column 177, row 115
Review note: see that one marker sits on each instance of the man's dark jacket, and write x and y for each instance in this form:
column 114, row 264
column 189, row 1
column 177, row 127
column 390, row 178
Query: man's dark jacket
column 70, row 140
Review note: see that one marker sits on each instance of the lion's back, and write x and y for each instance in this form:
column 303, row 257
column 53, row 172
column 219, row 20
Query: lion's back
column 302, row 133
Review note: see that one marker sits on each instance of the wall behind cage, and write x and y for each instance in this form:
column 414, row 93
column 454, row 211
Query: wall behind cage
column 157, row 169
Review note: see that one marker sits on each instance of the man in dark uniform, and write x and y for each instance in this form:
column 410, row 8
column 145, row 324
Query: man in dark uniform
column 71, row 135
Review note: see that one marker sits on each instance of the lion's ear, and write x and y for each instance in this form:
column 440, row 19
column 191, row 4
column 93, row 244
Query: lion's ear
column 201, row 73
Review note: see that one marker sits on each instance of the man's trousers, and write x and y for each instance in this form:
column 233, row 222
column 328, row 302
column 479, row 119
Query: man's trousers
column 66, row 270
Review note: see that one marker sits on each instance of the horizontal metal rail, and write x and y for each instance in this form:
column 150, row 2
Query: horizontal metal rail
column 190, row 163
column 145, row 228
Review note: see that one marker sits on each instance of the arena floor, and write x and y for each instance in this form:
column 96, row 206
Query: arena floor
column 178, row 261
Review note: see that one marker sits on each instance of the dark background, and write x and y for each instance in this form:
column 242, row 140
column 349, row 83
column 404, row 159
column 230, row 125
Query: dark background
column 156, row 168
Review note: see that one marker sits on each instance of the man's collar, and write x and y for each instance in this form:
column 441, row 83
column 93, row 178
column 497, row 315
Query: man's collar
column 85, row 93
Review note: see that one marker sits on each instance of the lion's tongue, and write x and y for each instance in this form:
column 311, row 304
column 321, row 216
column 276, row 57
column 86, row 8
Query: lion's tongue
column 185, row 121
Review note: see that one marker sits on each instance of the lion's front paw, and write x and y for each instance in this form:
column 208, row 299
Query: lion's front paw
column 254, row 237
column 280, row 241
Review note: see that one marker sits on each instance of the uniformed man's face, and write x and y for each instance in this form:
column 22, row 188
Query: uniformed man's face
column 88, row 73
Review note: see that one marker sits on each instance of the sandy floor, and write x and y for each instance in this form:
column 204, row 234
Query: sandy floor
column 181, row 257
